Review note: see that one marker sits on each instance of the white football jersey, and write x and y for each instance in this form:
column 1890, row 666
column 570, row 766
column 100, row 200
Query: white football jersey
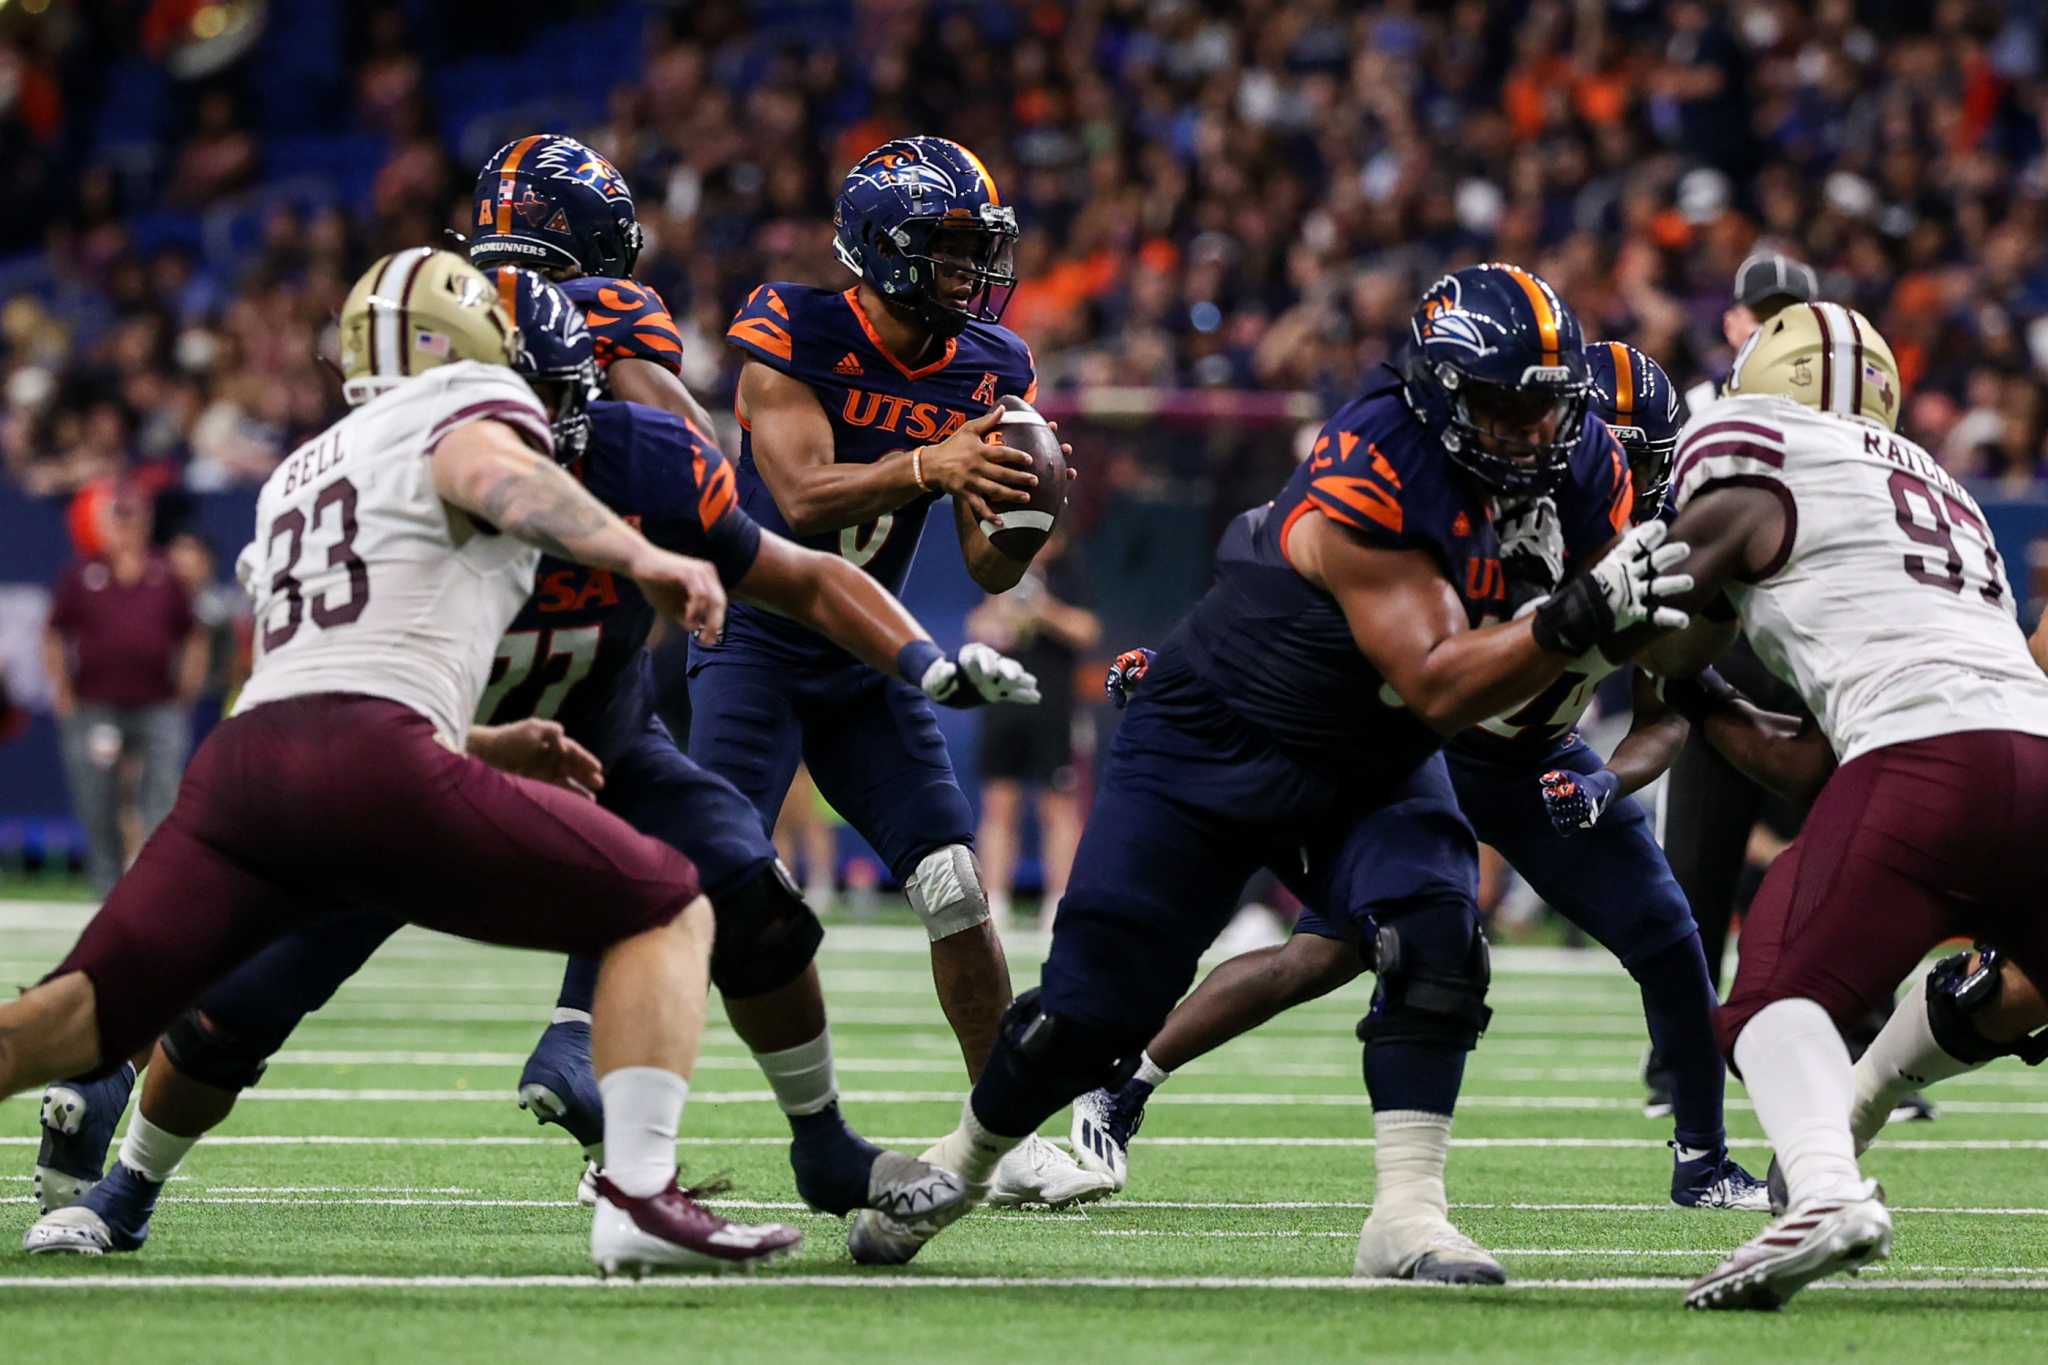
column 362, row 581
column 1886, row 605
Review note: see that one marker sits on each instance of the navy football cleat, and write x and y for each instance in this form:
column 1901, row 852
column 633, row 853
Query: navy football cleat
column 79, row 1118
column 839, row 1172
column 559, row 1085
column 112, row 1216
column 1717, row 1181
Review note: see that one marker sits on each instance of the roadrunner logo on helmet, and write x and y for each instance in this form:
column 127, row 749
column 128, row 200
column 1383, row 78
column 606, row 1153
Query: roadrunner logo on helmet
column 1497, row 370
column 920, row 220
column 1632, row 394
column 558, row 360
column 548, row 202
column 414, row 310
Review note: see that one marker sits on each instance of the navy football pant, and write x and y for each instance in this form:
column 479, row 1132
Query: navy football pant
column 1191, row 804
column 871, row 742
column 1613, row 882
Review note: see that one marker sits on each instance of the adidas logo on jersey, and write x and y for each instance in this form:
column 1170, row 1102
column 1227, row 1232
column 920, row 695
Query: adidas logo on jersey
column 1462, row 525
column 849, row 364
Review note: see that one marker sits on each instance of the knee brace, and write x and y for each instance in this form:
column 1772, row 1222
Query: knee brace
column 946, row 892
column 766, row 934
column 1421, row 1000
column 213, row 1056
column 1063, row 1054
column 1955, row 992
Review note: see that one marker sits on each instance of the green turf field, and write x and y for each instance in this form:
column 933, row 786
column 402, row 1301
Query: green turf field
column 379, row 1197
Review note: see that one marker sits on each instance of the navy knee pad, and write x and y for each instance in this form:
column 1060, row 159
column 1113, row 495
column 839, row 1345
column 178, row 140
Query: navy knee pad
column 1955, row 992
column 766, row 935
column 1040, row 1064
column 1434, row 970
column 211, row 1055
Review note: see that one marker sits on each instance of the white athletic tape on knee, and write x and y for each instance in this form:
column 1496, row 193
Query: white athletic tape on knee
column 946, row 892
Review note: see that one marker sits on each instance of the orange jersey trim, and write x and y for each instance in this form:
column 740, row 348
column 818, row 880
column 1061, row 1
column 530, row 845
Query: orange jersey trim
column 852, row 297
column 760, row 332
column 1366, row 497
column 1623, row 508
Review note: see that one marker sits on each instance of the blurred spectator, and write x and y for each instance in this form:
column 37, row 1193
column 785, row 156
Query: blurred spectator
column 125, row 657
column 1045, row 623
column 1213, row 195
column 221, row 611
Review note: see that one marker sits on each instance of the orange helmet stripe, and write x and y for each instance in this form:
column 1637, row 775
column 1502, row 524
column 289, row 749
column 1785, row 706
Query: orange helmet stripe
column 505, row 173
column 1624, row 381
column 1546, row 316
column 986, row 178
column 508, row 293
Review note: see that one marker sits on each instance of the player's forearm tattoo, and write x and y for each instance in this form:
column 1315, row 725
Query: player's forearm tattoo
column 547, row 509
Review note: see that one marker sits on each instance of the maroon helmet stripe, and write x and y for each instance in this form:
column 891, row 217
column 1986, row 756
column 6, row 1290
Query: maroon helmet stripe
column 1827, row 356
column 1855, row 362
column 405, row 309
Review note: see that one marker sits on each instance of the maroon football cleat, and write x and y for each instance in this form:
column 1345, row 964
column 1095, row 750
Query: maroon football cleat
column 672, row 1231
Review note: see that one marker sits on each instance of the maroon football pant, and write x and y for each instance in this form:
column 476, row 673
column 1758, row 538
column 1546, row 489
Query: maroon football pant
column 341, row 802
column 1907, row 846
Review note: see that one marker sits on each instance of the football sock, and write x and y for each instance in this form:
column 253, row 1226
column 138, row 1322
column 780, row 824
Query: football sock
column 1410, row 1147
column 1150, row 1074
column 1678, row 1003
column 643, row 1108
column 151, row 1152
column 1403, row 1076
column 971, row 1151
column 579, row 988
column 1903, row 1058
column 802, row 1077
column 1802, row 1083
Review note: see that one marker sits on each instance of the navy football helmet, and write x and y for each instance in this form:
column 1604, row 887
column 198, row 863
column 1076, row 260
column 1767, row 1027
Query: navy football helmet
column 921, row 221
column 559, row 360
column 1632, row 394
column 547, row 202
column 1497, row 369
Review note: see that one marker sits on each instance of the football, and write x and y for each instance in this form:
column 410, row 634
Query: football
column 1027, row 527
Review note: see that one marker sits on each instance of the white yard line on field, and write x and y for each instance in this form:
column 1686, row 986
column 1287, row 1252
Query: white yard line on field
column 362, row 1196
column 1517, row 1143
column 950, row 1096
column 901, row 1283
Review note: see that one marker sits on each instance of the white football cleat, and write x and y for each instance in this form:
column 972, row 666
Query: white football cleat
column 1036, row 1172
column 874, row 1238
column 1422, row 1245
column 76, row 1231
column 1816, row 1239
column 586, row 1188
column 1099, row 1144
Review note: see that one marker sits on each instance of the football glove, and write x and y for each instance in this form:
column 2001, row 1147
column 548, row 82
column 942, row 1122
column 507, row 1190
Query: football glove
column 1125, row 675
column 1576, row 801
column 1531, row 549
column 1630, row 586
column 975, row 675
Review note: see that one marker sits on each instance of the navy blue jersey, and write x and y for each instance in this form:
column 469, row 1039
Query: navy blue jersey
column 627, row 321
column 575, row 652
column 1277, row 649
column 877, row 404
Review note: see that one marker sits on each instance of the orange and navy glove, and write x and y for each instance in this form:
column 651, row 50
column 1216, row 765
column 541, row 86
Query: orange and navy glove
column 1576, row 801
column 1126, row 673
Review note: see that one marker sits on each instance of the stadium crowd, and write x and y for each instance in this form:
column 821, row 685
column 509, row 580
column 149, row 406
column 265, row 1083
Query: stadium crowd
column 1214, row 193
